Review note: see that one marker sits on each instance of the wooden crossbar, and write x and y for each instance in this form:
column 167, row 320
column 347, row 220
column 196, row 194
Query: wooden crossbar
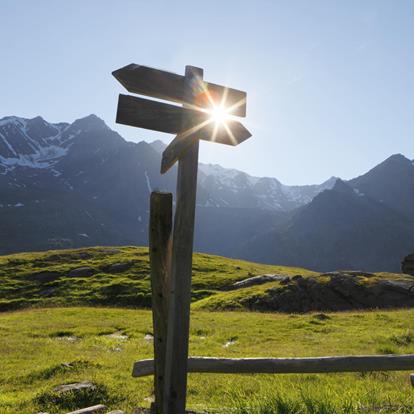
column 360, row 363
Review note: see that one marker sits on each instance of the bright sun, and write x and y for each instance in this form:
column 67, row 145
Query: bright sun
column 219, row 115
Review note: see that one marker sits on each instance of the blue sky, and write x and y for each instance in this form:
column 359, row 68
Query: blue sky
column 330, row 83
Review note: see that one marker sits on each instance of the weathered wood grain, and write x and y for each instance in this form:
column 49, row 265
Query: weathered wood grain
column 233, row 134
column 360, row 363
column 162, row 117
column 160, row 228
column 90, row 410
column 161, row 84
column 181, row 270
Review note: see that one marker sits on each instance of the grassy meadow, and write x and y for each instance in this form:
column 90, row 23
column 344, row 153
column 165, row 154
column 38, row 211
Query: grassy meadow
column 82, row 315
column 43, row 348
column 45, row 278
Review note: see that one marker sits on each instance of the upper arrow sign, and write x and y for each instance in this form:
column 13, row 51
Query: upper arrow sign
column 161, row 84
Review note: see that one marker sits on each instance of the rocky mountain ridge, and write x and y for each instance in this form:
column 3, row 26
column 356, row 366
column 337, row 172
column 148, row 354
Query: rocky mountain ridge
column 82, row 184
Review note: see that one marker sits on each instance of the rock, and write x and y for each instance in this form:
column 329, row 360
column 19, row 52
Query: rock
column 229, row 343
column 399, row 286
column 118, row 335
column 348, row 273
column 68, row 338
column 110, row 251
column 90, row 410
column 84, row 271
column 118, row 267
column 285, row 280
column 258, row 280
column 60, row 389
column 340, row 292
column 297, row 277
column 407, row 265
column 44, row 276
column 321, row 316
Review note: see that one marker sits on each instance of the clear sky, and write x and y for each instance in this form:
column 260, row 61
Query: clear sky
column 330, row 83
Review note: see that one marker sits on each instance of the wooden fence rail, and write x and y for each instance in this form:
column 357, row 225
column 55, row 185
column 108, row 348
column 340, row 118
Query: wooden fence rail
column 361, row 363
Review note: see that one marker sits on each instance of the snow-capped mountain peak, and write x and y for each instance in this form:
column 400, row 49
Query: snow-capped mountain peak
column 36, row 143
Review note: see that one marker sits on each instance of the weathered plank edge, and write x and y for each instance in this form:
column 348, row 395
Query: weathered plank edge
column 360, row 363
column 160, row 231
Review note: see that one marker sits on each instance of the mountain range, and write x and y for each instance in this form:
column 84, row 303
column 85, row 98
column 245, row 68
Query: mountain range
column 81, row 184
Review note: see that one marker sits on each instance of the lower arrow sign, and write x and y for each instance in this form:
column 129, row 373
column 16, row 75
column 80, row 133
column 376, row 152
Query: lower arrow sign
column 162, row 117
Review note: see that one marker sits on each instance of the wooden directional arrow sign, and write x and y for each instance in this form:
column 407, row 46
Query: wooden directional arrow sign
column 170, row 86
column 190, row 122
column 162, row 117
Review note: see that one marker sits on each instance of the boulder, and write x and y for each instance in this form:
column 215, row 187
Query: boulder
column 341, row 292
column 259, row 280
column 84, row 271
column 77, row 386
column 43, row 276
column 118, row 267
column 408, row 265
column 348, row 273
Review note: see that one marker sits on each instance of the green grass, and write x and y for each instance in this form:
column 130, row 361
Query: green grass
column 35, row 343
column 63, row 336
column 23, row 285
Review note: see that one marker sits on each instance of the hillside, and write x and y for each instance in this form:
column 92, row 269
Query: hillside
column 340, row 228
column 119, row 276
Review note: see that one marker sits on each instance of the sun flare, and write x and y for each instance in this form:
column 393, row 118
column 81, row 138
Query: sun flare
column 219, row 115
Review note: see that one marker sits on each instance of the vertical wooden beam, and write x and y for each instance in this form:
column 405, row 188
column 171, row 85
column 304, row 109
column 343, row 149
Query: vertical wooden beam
column 181, row 268
column 160, row 228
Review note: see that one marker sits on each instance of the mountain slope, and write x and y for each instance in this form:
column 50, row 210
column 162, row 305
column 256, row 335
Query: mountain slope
column 391, row 183
column 340, row 228
column 227, row 187
column 81, row 184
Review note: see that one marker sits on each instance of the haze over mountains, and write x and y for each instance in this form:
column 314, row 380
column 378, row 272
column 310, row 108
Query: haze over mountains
column 68, row 185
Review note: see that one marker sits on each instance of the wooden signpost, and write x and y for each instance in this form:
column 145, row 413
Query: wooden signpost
column 171, row 276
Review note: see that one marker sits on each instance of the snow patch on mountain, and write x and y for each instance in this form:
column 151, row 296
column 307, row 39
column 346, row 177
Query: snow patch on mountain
column 264, row 192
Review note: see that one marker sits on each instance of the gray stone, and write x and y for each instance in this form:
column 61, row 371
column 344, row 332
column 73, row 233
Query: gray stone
column 44, row 276
column 407, row 265
column 74, row 387
column 399, row 286
column 348, row 273
column 84, row 271
column 258, row 280
column 119, row 267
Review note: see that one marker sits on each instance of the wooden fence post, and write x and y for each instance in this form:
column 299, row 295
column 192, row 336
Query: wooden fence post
column 160, row 228
column 181, row 268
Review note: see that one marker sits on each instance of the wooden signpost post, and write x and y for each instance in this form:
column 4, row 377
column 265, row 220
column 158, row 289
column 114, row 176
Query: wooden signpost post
column 191, row 122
